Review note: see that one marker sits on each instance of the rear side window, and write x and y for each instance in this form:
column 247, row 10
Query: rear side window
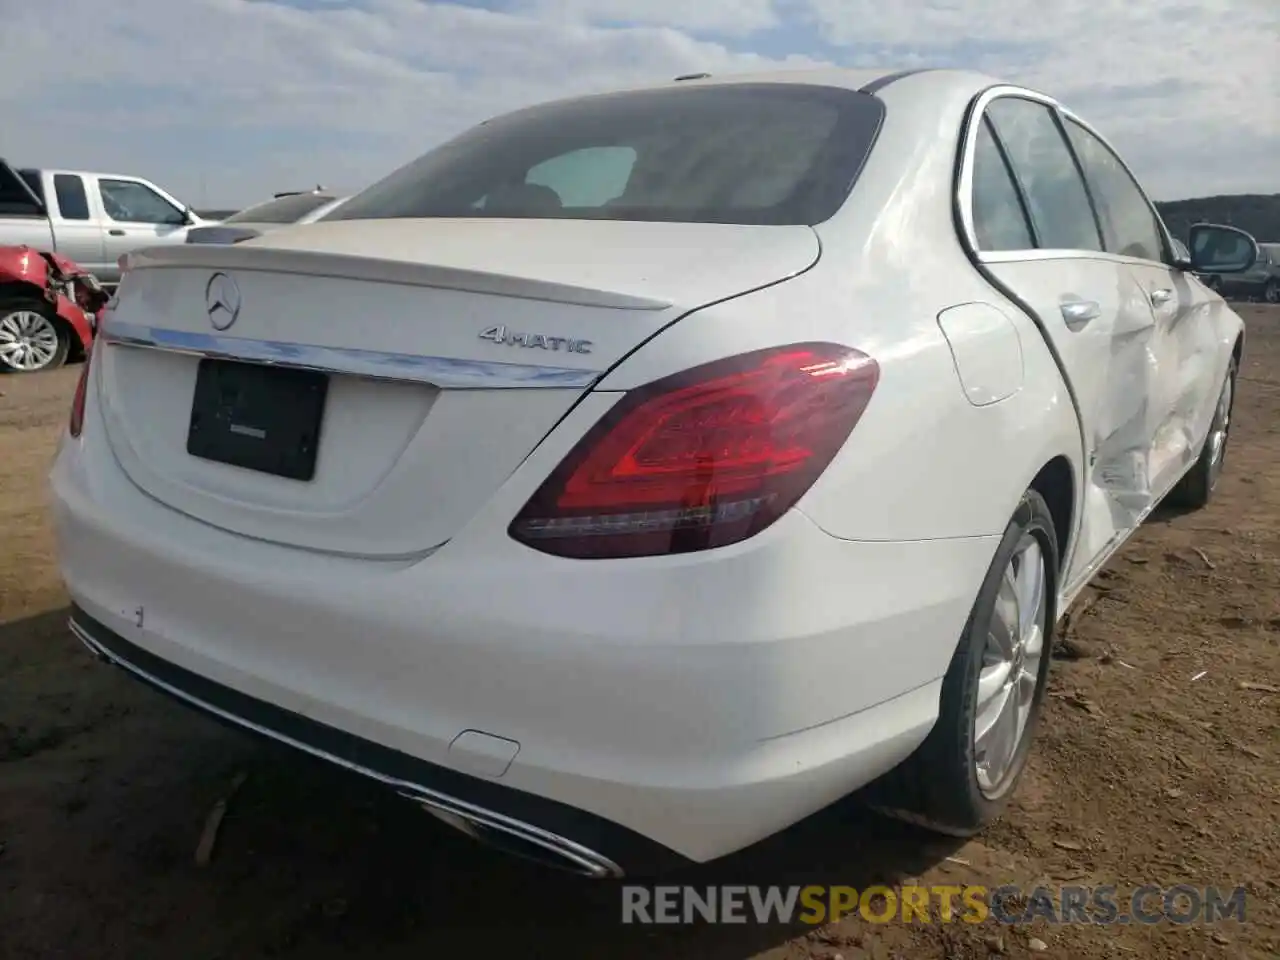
column 73, row 202
column 35, row 182
column 738, row 153
column 1128, row 225
column 15, row 201
column 284, row 210
column 1046, row 169
column 999, row 219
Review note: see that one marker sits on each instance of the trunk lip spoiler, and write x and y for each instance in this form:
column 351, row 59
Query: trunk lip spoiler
column 248, row 256
column 445, row 373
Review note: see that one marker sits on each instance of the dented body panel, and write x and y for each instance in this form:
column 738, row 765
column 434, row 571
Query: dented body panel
column 68, row 287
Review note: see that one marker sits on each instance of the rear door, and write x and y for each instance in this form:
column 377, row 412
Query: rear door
column 1182, row 352
column 1036, row 232
column 76, row 223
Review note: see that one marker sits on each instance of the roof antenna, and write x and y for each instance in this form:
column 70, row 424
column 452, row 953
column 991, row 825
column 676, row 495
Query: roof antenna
column 692, row 76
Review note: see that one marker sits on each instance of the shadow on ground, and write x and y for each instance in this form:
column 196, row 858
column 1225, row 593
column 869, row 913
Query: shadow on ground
column 105, row 787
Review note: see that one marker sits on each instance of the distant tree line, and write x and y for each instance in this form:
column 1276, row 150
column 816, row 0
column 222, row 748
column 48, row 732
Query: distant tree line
column 1257, row 213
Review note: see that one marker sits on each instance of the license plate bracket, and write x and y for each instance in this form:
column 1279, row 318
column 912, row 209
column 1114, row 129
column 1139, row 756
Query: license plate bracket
column 258, row 417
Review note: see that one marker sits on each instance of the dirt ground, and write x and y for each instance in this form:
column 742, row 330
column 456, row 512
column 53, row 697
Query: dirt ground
column 1158, row 763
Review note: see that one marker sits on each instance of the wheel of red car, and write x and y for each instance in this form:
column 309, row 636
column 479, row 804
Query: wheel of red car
column 30, row 339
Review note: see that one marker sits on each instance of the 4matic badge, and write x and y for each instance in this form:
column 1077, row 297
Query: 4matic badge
column 500, row 334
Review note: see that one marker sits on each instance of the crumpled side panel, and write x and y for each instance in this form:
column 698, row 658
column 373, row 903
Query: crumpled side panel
column 1126, row 421
column 46, row 272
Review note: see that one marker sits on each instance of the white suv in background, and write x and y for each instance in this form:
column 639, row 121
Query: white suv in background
column 281, row 211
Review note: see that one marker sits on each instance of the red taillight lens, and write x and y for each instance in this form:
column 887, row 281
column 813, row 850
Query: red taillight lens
column 704, row 458
column 76, row 421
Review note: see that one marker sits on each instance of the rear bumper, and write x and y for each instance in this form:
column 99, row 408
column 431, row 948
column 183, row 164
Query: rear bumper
column 657, row 712
column 499, row 813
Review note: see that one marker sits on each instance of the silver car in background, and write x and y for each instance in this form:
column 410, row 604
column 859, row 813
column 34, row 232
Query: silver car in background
column 281, row 211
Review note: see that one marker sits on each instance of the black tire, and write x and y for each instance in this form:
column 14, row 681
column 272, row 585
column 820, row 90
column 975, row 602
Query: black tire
column 1272, row 292
column 14, row 305
column 937, row 786
column 1196, row 487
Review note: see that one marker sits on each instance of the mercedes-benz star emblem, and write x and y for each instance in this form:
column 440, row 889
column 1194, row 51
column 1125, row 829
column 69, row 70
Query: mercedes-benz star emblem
column 222, row 301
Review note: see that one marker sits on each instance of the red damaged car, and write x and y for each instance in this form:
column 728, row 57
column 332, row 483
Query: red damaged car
column 49, row 310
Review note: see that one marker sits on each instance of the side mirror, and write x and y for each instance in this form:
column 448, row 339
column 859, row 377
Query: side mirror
column 1221, row 249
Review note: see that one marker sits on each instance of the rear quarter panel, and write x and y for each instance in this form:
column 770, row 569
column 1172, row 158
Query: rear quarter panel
column 924, row 462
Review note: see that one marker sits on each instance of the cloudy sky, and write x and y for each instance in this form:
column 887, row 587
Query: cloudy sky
column 225, row 101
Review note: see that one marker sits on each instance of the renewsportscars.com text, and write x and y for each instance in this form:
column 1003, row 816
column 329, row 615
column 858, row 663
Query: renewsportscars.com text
column 1010, row 904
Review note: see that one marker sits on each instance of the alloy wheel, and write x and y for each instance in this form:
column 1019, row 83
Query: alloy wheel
column 1010, row 668
column 1219, row 430
column 28, row 340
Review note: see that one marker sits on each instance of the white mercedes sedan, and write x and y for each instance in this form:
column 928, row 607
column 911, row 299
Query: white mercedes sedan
column 635, row 475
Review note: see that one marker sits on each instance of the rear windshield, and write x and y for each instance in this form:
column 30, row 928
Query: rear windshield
column 285, row 210
column 744, row 153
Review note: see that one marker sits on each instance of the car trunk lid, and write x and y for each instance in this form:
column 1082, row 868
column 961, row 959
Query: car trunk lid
column 445, row 362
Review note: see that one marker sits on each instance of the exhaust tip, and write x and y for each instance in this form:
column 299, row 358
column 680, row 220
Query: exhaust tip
column 527, row 843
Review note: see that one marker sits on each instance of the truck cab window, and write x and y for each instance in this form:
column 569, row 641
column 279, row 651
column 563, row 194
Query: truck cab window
column 127, row 201
column 73, row 202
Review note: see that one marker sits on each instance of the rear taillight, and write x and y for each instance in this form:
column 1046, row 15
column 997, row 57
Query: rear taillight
column 75, row 422
column 704, row 458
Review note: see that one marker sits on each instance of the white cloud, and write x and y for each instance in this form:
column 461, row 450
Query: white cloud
column 1188, row 91
column 225, row 100
column 730, row 18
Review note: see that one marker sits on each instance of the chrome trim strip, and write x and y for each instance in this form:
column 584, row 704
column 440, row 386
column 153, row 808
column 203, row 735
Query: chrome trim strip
column 1044, row 253
column 447, row 373
column 964, row 186
column 591, row 863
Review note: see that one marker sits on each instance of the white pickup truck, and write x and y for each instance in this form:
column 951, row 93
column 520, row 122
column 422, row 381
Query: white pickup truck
column 91, row 218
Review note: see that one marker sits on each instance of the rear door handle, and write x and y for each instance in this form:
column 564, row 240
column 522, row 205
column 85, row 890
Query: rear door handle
column 116, row 232
column 1078, row 313
column 1160, row 297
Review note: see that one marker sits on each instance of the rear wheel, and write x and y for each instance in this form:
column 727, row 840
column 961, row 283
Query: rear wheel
column 31, row 339
column 963, row 774
column 1272, row 293
column 1196, row 488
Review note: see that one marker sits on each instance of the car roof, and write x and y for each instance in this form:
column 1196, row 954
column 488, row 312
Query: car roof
column 925, row 80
